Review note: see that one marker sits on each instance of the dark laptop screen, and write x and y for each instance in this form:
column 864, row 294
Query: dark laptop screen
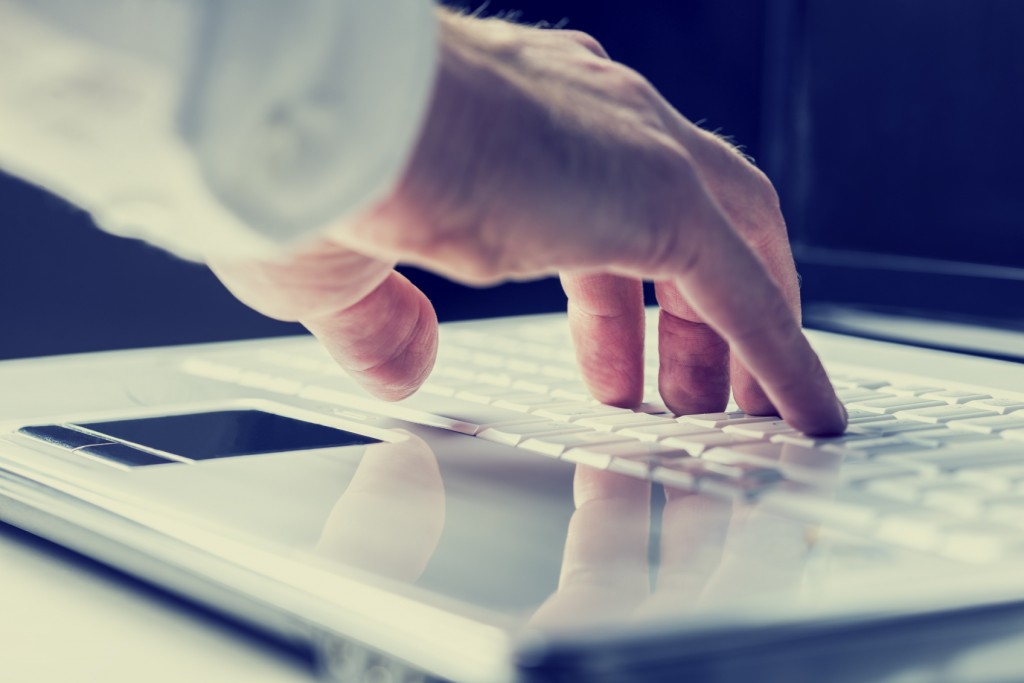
column 896, row 136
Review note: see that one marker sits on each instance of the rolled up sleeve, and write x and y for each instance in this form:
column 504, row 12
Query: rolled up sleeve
column 228, row 128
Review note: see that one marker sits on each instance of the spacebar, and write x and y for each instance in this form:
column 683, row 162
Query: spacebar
column 432, row 411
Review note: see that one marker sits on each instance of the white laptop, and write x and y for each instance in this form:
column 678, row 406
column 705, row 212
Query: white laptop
column 501, row 526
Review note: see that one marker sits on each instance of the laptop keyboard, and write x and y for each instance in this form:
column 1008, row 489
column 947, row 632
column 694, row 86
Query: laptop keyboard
column 925, row 466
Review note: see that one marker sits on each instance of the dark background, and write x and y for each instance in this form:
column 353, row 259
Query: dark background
column 67, row 287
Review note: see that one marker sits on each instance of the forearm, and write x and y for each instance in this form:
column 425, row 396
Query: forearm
column 214, row 128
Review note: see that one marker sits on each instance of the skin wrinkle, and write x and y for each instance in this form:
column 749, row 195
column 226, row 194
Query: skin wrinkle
column 605, row 309
column 317, row 282
column 362, row 355
column 406, row 386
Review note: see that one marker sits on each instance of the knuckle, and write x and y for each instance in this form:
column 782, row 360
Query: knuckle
column 763, row 189
column 473, row 261
column 674, row 193
column 586, row 41
column 631, row 86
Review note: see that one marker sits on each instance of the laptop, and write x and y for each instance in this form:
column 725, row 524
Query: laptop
column 501, row 526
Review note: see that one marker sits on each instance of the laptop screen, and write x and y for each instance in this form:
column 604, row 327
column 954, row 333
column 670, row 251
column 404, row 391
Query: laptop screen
column 895, row 137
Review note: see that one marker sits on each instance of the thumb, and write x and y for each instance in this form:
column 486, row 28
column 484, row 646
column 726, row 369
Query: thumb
column 376, row 324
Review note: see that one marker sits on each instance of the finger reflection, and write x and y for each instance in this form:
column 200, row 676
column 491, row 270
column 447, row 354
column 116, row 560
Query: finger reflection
column 711, row 552
column 605, row 567
column 390, row 517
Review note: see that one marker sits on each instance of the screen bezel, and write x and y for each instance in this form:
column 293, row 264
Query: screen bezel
column 831, row 278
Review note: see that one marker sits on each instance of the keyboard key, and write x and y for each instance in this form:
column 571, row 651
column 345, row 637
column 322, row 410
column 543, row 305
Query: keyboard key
column 445, row 385
column 522, row 402
column 464, row 337
column 522, row 366
column 658, row 432
column 964, row 456
column 655, row 407
column 487, row 360
column 871, row 448
column 999, row 405
column 515, row 434
column 991, row 425
column 911, row 389
column 560, row 372
column 695, row 444
column 555, row 444
column 569, row 412
column 450, row 355
column 538, row 385
column 480, row 393
column 858, row 394
column 573, row 391
column 942, row 414
column 455, row 371
column 617, row 421
column 940, row 436
column 720, row 420
column 894, row 404
column 501, row 379
column 848, row 382
column 890, row 427
column 956, row 396
column 798, row 439
column 760, row 430
column 856, row 417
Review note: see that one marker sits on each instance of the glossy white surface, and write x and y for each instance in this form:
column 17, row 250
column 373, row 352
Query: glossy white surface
column 64, row 621
column 509, row 524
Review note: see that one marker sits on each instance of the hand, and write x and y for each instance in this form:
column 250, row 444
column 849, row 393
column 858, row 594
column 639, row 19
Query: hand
column 540, row 155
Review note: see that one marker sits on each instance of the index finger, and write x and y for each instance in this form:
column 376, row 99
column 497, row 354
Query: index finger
column 728, row 286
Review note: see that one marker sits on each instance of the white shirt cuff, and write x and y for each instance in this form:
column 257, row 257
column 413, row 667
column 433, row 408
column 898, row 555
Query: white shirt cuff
column 253, row 123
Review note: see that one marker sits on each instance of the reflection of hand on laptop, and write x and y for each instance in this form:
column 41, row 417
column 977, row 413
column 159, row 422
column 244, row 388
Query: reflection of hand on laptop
column 539, row 156
column 712, row 553
column 390, row 517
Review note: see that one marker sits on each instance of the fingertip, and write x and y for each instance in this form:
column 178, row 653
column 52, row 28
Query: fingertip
column 622, row 391
column 844, row 417
column 606, row 321
column 751, row 398
column 830, row 419
column 412, row 359
column 387, row 342
column 682, row 403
